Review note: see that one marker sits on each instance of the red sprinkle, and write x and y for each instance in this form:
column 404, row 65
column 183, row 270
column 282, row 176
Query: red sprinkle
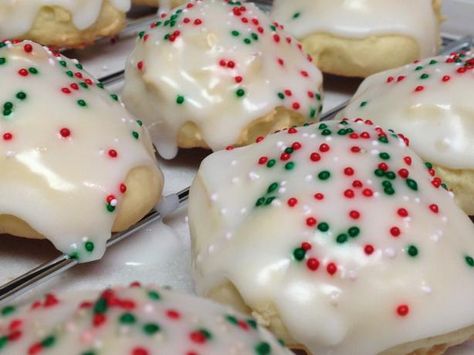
column 313, row 264
column 369, row 249
column 403, row 310
column 331, row 268
column 395, row 232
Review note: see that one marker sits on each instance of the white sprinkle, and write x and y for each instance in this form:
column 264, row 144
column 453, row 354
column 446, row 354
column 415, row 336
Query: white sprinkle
column 243, row 211
column 214, row 197
column 390, row 253
column 253, row 176
column 233, row 162
column 308, row 178
column 223, row 211
column 235, row 180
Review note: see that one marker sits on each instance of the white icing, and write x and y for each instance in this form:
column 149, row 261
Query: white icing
column 354, row 310
column 59, row 184
column 17, row 16
column 73, row 329
column 159, row 71
column 439, row 120
column 361, row 18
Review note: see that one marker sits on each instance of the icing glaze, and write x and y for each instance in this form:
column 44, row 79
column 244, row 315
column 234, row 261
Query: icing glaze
column 220, row 65
column 341, row 228
column 361, row 18
column 429, row 101
column 136, row 321
column 18, row 16
column 66, row 148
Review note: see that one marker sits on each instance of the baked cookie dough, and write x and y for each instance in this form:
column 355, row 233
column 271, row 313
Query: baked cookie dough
column 357, row 38
column 431, row 103
column 338, row 238
column 74, row 165
column 213, row 73
column 62, row 23
column 131, row 321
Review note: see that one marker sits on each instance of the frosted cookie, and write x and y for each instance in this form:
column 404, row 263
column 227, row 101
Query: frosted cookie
column 431, row 102
column 362, row 37
column 74, row 165
column 215, row 73
column 131, row 321
column 62, row 23
column 338, row 238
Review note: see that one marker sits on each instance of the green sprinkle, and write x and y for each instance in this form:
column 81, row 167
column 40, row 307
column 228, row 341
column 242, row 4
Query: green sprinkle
column 272, row 187
column 354, row 232
column 139, row 122
column 271, row 163
column 383, row 139
column 135, row 134
column 141, row 34
column 429, row 165
column 296, row 15
column 48, row 341
column 289, row 150
column 231, row 319
column 153, row 295
column 79, row 66
column 127, row 318
column 290, row 165
column 247, row 41
column 235, row 33
column 114, row 97
column 384, row 156
column 379, row 172
column 322, row 126
column 299, row 254
column 110, row 208
column 412, row 184
column 254, row 36
column 240, row 92
column 260, row 202
column 469, row 260
column 63, row 63
column 33, row 70
column 389, row 191
column 90, row 352
column 82, row 103
column 101, row 306
column 326, row 132
column 324, row 175
column 3, row 60
column 21, row 95
column 424, row 76
column 281, row 96
column 269, row 200
column 252, row 323
column 312, row 112
column 432, row 62
column 363, row 104
column 323, row 226
column 412, row 251
column 263, row 348
column 100, row 85
column 151, row 328
column 180, row 100
column 89, row 246
column 6, row 311
column 418, row 68
column 84, row 85
column 3, row 341
column 390, row 175
column 342, row 238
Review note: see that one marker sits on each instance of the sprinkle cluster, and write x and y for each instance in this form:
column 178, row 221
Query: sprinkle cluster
column 135, row 321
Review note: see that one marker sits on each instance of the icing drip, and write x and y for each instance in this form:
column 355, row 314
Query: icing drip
column 135, row 321
column 430, row 101
column 17, row 17
column 361, row 18
column 66, row 148
column 340, row 227
column 220, row 65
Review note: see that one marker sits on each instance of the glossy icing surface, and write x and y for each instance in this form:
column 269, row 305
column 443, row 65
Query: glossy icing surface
column 136, row 321
column 361, row 18
column 220, row 65
column 340, row 227
column 430, row 101
column 66, row 148
column 17, row 17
